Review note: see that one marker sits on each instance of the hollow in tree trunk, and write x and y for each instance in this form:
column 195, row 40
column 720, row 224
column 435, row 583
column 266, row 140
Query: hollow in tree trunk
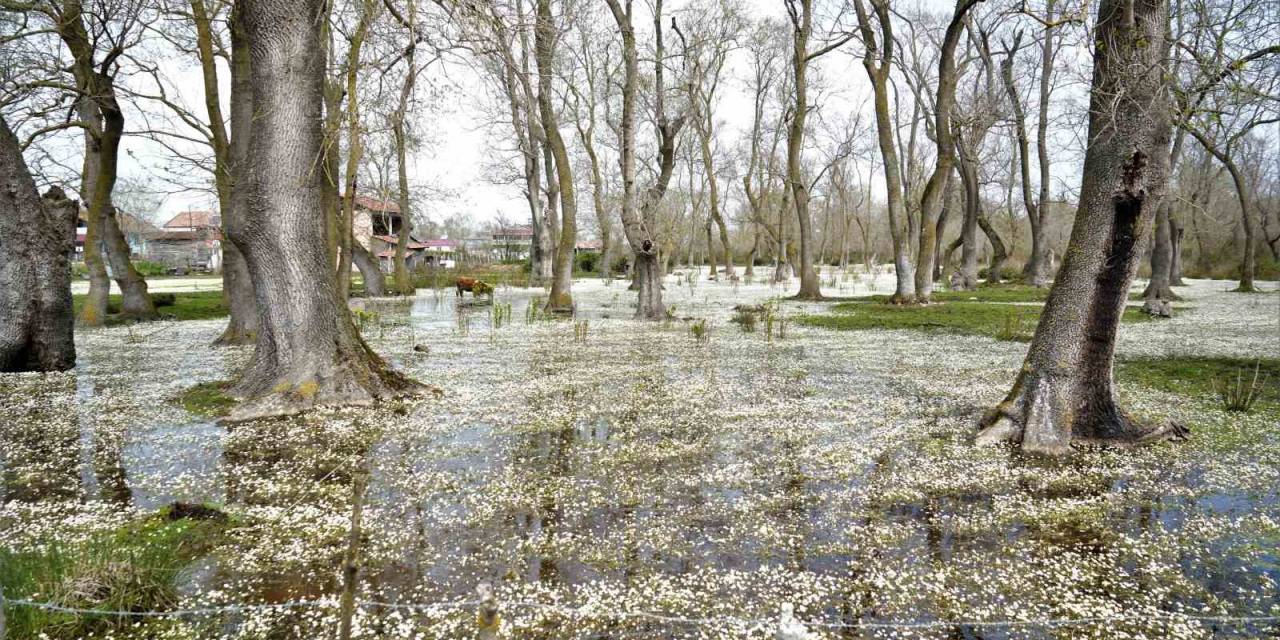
column 308, row 352
column 1064, row 393
column 35, row 280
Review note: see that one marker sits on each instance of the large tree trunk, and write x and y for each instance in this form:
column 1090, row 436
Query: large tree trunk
column 308, row 352
column 878, row 60
column 35, row 280
column 1064, row 392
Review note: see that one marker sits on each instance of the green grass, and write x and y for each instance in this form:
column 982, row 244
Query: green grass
column 987, row 293
column 132, row 568
column 1195, row 376
column 1000, row 321
column 188, row 305
column 208, row 399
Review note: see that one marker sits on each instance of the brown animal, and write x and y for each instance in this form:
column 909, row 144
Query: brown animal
column 476, row 287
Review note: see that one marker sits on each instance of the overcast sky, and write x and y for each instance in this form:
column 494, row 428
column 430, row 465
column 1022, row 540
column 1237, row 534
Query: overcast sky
column 460, row 145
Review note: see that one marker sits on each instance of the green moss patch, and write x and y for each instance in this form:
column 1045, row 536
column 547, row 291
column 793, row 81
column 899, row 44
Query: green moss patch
column 208, row 399
column 188, row 305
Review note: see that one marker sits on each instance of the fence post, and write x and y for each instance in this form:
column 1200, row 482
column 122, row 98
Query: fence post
column 487, row 615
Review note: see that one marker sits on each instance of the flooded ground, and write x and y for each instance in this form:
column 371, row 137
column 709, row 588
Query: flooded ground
column 617, row 479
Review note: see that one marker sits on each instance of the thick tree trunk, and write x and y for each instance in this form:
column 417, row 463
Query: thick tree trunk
column 100, row 110
column 1064, row 392
column 931, row 201
column 35, row 280
column 648, row 275
column 878, row 60
column 308, row 352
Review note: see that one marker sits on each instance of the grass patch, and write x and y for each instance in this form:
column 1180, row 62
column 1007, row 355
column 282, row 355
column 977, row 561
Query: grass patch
column 999, row 321
column 187, row 305
column 133, row 568
column 1195, row 376
column 987, row 293
column 208, row 399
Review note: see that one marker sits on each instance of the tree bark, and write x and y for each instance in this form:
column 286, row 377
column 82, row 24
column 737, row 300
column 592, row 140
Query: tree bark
column 878, row 62
column 229, row 150
column 1064, row 392
column 560, row 299
column 810, row 285
column 36, row 319
column 99, row 107
column 308, row 352
column 1159, row 287
column 999, row 253
column 969, row 228
column 640, row 226
column 375, row 283
column 935, row 189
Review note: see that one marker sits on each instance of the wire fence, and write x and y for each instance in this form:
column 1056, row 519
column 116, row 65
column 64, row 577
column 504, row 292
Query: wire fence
column 783, row 626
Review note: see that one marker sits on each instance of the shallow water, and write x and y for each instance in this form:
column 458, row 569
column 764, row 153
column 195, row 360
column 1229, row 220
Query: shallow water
column 641, row 471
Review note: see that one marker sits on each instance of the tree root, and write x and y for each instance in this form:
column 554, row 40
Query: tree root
column 1039, row 418
column 359, row 384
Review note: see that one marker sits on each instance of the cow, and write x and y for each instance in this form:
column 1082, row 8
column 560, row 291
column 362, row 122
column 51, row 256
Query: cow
column 476, row 287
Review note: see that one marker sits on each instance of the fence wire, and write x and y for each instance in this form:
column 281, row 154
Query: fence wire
column 785, row 626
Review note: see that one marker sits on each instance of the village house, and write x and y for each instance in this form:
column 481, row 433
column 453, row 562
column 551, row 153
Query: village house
column 512, row 243
column 189, row 241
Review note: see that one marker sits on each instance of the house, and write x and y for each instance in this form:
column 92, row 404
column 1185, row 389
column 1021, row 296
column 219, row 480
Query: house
column 587, row 246
column 375, row 217
column 189, row 241
column 439, row 252
column 512, row 243
column 136, row 233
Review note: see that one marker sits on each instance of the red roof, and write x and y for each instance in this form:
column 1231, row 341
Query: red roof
column 194, row 220
column 375, row 205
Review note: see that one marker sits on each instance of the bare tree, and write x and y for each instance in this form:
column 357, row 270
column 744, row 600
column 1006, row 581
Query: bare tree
column 640, row 215
column 878, row 45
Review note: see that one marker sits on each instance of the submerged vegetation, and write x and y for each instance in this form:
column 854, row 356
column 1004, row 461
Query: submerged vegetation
column 643, row 472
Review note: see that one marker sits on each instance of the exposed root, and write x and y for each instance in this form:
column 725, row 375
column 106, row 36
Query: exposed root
column 1040, row 415
column 357, row 383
